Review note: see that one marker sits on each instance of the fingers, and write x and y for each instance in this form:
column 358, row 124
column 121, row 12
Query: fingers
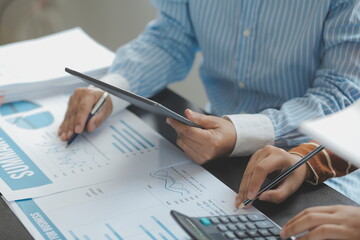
column 195, row 150
column 308, row 219
column 264, row 162
column 243, row 192
column 191, row 151
column 330, row 222
column 326, row 231
column 205, row 121
column 321, row 209
column 261, row 164
column 279, row 194
column 195, row 134
column 216, row 139
column 79, row 107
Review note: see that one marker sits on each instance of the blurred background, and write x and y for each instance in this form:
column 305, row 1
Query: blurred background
column 110, row 22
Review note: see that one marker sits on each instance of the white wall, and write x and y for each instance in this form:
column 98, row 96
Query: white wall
column 110, row 22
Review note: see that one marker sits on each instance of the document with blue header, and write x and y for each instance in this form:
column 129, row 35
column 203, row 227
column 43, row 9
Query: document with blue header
column 34, row 162
column 134, row 210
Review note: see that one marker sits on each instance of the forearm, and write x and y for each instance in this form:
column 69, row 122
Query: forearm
column 324, row 165
column 162, row 54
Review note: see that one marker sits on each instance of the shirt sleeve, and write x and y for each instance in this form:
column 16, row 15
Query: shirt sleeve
column 253, row 131
column 325, row 164
column 336, row 83
column 162, row 54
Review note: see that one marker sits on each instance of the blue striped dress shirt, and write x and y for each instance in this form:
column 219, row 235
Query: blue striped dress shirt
column 268, row 65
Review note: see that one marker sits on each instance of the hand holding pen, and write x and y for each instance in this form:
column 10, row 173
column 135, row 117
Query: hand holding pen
column 94, row 110
column 87, row 108
column 265, row 162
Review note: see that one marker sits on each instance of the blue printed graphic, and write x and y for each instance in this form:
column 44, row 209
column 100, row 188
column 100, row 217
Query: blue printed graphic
column 35, row 121
column 128, row 140
column 17, row 107
column 164, row 227
column 170, row 182
column 39, row 219
column 28, row 120
column 17, row 170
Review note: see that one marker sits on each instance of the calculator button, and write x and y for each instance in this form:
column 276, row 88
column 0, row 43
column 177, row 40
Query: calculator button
column 242, row 218
column 252, row 233
column 205, row 221
column 250, row 225
column 224, row 219
column 259, row 238
column 275, row 231
column 272, row 238
column 241, row 226
column 214, row 220
column 222, row 227
column 241, row 234
column 231, row 226
column 264, row 224
column 264, row 232
column 230, row 235
column 233, row 219
column 256, row 217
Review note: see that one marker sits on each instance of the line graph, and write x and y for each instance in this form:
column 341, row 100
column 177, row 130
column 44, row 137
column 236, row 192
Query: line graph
column 79, row 157
column 170, row 183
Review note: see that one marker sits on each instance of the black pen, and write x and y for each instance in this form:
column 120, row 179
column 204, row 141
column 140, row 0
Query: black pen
column 283, row 175
column 94, row 110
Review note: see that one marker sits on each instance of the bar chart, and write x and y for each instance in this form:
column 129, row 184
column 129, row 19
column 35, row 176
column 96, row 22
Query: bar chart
column 127, row 140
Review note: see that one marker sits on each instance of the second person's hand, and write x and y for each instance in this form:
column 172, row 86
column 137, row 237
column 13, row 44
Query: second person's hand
column 217, row 138
column 79, row 107
column 263, row 163
column 325, row 222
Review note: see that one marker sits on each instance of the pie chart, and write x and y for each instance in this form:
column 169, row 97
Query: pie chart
column 26, row 115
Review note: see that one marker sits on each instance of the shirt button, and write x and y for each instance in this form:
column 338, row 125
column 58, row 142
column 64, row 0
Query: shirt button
column 241, row 84
column 246, row 32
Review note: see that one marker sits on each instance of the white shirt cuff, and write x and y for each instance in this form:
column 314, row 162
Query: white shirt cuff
column 119, row 82
column 253, row 132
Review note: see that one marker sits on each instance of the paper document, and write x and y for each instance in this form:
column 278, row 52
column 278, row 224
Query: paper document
column 34, row 161
column 35, row 68
column 340, row 132
column 135, row 210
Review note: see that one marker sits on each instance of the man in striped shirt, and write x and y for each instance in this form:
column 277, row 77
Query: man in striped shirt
column 267, row 66
column 331, row 222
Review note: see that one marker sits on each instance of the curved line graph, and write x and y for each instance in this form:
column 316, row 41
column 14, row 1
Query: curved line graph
column 170, row 182
column 76, row 157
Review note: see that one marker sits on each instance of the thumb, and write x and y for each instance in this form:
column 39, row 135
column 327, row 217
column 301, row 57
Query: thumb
column 207, row 122
column 279, row 194
column 100, row 116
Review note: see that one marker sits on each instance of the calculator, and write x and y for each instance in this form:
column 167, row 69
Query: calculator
column 237, row 226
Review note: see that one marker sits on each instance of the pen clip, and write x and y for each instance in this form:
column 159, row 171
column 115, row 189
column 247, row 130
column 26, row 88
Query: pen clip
column 100, row 103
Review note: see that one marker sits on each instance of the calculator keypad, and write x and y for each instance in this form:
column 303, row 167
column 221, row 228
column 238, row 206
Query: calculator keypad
column 241, row 226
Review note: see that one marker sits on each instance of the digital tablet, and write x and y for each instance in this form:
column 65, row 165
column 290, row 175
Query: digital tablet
column 132, row 98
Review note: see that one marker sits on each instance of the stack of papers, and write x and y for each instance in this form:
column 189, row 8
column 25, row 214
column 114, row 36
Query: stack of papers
column 340, row 132
column 118, row 182
column 35, row 68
